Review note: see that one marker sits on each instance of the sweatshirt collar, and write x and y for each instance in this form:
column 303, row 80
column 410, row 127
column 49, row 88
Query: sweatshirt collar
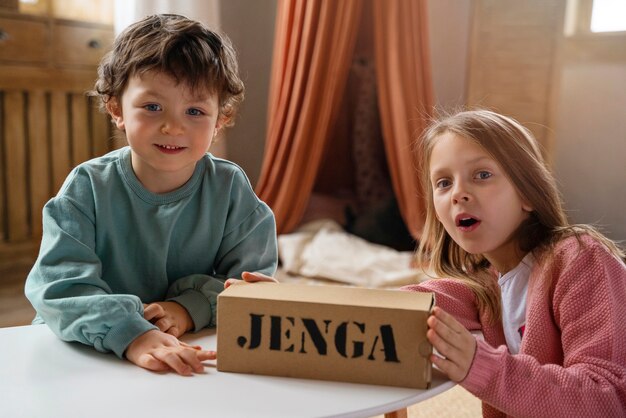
column 153, row 198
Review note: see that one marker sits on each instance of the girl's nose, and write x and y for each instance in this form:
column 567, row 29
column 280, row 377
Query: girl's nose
column 460, row 193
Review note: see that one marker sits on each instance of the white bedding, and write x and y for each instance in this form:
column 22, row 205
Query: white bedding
column 322, row 249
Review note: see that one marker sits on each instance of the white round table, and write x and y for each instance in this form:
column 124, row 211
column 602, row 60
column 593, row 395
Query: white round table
column 42, row 376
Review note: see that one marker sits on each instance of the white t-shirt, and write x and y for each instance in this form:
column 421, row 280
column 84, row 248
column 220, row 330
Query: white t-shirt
column 514, row 288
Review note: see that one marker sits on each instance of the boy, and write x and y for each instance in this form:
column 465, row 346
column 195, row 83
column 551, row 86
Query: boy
column 137, row 244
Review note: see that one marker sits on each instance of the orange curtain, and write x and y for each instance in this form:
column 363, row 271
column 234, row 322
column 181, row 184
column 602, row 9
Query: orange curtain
column 313, row 51
column 405, row 97
column 313, row 44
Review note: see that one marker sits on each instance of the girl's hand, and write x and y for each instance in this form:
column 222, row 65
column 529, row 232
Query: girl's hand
column 453, row 341
column 250, row 278
column 159, row 352
column 170, row 317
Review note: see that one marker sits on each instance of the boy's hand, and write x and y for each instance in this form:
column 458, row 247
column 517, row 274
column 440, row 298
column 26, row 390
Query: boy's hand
column 158, row 351
column 453, row 341
column 250, row 278
column 170, row 317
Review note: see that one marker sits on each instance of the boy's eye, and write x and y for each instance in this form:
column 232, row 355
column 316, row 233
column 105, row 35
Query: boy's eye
column 194, row 112
column 152, row 107
column 482, row 175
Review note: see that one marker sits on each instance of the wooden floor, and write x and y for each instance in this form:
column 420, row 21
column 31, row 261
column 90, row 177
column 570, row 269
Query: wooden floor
column 14, row 307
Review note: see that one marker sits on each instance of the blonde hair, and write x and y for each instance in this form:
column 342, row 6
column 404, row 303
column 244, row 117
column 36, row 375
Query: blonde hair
column 517, row 152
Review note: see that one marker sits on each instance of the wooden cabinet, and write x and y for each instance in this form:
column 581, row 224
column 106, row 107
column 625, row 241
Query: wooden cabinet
column 74, row 44
column 52, row 42
column 47, row 122
column 23, row 40
column 96, row 11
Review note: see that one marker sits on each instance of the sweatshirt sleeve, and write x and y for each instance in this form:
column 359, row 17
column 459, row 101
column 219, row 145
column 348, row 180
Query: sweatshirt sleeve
column 66, row 288
column 453, row 297
column 248, row 245
column 589, row 308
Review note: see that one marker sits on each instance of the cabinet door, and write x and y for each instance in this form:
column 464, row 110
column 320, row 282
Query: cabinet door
column 80, row 45
column 24, row 40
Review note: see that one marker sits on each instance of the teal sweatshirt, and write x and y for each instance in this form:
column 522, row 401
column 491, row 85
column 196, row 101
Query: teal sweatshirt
column 109, row 245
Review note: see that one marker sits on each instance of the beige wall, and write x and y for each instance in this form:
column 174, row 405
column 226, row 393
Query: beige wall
column 250, row 26
column 449, row 30
column 590, row 144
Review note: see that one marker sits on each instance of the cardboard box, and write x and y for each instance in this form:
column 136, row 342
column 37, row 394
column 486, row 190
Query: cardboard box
column 325, row 332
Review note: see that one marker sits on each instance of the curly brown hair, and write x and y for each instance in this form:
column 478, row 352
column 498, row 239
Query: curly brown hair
column 177, row 46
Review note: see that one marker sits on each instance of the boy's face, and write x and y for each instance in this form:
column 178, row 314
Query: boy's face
column 168, row 127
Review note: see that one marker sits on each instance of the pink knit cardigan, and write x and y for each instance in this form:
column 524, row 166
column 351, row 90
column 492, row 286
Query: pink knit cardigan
column 572, row 361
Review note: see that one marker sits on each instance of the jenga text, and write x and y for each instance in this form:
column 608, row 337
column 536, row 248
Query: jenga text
column 350, row 339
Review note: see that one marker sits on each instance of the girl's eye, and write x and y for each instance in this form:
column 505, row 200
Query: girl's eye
column 483, row 175
column 152, row 107
column 194, row 112
column 442, row 184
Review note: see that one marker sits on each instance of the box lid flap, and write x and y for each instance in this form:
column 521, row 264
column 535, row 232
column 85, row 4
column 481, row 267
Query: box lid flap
column 329, row 294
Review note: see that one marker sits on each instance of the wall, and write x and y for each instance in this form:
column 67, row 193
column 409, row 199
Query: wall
column 129, row 11
column 250, row 26
column 449, row 30
column 590, row 144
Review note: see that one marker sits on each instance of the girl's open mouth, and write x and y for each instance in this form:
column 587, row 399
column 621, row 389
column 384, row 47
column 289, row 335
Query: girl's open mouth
column 467, row 223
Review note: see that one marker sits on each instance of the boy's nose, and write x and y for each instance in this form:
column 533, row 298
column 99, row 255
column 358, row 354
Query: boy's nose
column 172, row 127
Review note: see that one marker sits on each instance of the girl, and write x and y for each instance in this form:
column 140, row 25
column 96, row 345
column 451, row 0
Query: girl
column 548, row 297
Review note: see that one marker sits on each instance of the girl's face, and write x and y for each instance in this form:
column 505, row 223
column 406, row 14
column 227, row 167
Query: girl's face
column 168, row 127
column 475, row 201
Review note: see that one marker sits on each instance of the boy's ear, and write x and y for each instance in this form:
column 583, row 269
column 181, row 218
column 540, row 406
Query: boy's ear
column 115, row 110
column 219, row 124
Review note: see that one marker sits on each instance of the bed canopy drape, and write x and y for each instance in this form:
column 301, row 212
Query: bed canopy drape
column 313, row 49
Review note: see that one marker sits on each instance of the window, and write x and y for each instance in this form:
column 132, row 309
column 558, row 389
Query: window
column 595, row 31
column 608, row 16
column 595, row 17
